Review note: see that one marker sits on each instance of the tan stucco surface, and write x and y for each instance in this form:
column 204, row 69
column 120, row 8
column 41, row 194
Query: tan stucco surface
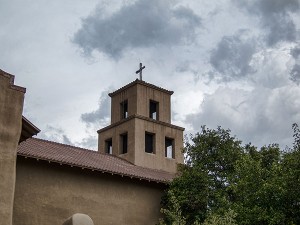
column 138, row 96
column 157, row 160
column 11, row 106
column 79, row 219
column 47, row 194
column 136, row 127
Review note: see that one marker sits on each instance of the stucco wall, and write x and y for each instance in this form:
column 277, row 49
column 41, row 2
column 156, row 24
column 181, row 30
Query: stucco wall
column 114, row 134
column 11, row 106
column 138, row 97
column 47, row 194
column 145, row 94
column 136, row 127
column 130, row 95
column 157, row 160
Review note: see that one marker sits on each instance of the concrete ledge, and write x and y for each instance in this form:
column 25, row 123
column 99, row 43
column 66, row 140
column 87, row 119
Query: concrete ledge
column 135, row 116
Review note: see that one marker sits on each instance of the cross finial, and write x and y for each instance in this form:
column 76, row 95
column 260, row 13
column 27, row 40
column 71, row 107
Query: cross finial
column 140, row 71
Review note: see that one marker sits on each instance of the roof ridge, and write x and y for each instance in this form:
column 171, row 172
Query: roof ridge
column 97, row 152
column 67, row 145
column 60, row 153
column 83, row 149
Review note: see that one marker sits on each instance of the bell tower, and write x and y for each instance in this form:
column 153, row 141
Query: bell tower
column 141, row 131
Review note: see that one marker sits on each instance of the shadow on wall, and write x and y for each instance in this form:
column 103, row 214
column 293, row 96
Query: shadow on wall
column 79, row 219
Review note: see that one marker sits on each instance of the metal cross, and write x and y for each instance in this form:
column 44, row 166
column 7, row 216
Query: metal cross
column 140, row 71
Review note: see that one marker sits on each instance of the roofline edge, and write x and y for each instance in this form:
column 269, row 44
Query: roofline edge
column 94, row 169
column 137, row 81
column 12, row 81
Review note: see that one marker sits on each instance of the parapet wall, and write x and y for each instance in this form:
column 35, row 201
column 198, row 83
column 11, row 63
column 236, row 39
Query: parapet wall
column 11, row 107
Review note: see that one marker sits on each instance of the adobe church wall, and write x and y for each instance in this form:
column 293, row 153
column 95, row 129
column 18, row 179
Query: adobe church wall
column 11, row 106
column 141, row 131
column 128, row 95
column 48, row 194
column 138, row 97
column 114, row 134
column 145, row 94
column 136, row 127
column 158, row 160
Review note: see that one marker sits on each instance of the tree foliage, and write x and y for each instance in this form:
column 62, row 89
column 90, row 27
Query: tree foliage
column 224, row 179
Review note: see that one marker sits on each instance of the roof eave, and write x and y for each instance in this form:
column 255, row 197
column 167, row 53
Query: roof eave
column 28, row 130
column 96, row 169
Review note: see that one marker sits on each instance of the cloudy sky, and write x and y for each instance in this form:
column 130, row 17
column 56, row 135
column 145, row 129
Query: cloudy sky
column 232, row 63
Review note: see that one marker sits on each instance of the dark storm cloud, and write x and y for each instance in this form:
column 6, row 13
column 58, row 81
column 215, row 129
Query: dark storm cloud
column 142, row 24
column 232, row 56
column 274, row 17
column 295, row 72
column 283, row 29
column 186, row 66
column 59, row 135
column 89, row 142
column 187, row 16
column 100, row 114
column 55, row 134
column 261, row 116
column 295, row 52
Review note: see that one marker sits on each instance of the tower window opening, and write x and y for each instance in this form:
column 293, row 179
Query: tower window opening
column 149, row 142
column 108, row 146
column 124, row 109
column 169, row 148
column 153, row 110
column 124, row 143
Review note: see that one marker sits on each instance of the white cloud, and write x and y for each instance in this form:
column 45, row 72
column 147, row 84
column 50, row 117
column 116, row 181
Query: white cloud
column 261, row 112
column 237, row 65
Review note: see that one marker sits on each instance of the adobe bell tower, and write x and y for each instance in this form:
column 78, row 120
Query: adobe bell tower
column 141, row 131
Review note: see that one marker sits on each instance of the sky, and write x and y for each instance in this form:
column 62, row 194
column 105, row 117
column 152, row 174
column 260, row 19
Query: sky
column 230, row 63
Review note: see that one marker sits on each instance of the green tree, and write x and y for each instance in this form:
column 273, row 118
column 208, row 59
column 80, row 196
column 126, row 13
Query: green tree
column 258, row 187
column 203, row 185
column 222, row 176
column 174, row 213
column 291, row 174
column 227, row 219
column 296, row 136
column 192, row 202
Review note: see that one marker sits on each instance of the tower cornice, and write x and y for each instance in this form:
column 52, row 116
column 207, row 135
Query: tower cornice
column 141, row 83
column 142, row 118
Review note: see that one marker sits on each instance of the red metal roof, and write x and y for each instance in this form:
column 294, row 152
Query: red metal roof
column 88, row 159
